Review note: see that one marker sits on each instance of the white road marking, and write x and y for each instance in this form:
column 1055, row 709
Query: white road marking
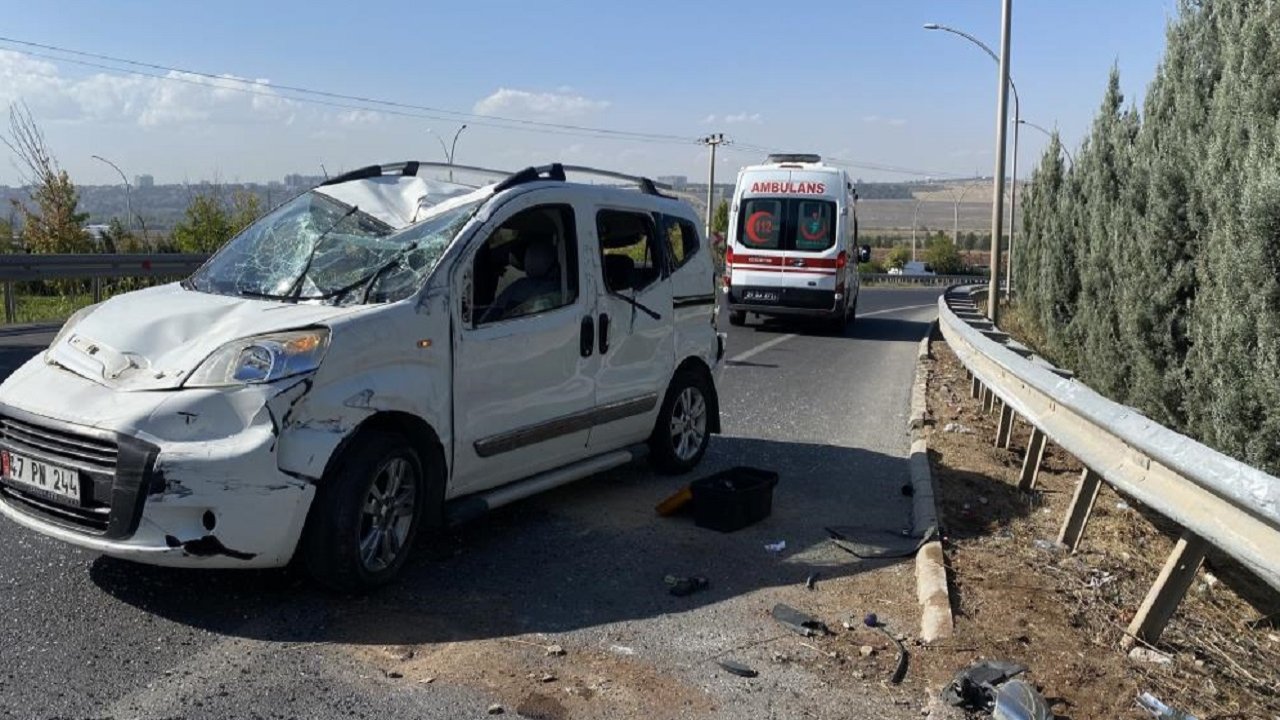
column 747, row 354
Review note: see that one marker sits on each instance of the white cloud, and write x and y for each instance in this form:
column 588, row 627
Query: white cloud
column 543, row 105
column 708, row 120
column 175, row 99
column 742, row 117
column 358, row 117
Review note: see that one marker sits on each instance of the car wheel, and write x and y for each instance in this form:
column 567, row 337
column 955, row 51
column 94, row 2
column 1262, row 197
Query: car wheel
column 683, row 431
column 366, row 514
column 738, row 318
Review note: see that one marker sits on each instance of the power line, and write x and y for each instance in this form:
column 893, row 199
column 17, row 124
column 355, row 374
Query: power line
column 441, row 113
column 326, row 98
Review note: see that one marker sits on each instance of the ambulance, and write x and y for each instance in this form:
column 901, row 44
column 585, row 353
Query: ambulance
column 792, row 245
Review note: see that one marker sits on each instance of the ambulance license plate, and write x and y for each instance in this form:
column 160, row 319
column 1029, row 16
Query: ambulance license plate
column 760, row 296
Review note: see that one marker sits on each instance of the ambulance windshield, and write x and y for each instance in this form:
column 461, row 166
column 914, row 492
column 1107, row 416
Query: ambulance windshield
column 803, row 225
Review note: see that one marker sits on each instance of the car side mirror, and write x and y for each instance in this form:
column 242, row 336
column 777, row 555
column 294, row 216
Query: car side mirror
column 864, row 253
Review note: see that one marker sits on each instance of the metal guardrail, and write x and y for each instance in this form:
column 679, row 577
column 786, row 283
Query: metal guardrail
column 32, row 268
column 1218, row 501
column 936, row 280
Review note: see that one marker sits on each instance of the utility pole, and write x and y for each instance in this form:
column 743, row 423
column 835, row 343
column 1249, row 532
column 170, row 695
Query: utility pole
column 915, row 220
column 712, row 141
column 997, row 202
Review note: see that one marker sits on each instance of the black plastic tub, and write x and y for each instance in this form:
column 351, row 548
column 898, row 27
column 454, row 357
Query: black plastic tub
column 734, row 498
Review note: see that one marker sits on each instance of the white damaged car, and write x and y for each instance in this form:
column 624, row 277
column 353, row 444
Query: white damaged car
column 373, row 360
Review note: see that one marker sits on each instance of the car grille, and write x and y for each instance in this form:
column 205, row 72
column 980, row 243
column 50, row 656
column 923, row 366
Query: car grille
column 112, row 473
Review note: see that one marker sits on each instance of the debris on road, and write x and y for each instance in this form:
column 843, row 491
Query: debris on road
column 900, row 671
column 811, row 582
column 676, row 502
column 496, row 709
column 776, row 547
column 683, row 586
column 621, row 650
column 974, row 687
column 793, row 619
column 866, row 651
column 737, row 668
column 1150, row 656
column 877, row 543
column 1151, row 704
column 1018, row 700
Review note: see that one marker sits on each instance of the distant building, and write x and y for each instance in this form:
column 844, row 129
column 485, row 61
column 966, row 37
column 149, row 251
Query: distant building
column 297, row 181
column 677, row 182
column 144, row 181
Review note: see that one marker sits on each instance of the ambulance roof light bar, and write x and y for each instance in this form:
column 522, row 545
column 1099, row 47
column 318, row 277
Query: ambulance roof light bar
column 779, row 158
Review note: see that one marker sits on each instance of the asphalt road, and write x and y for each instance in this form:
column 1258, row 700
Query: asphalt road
column 582, row 567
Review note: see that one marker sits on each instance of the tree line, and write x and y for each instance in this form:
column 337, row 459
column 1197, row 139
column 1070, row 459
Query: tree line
column 1151, row 266
column 50, row 221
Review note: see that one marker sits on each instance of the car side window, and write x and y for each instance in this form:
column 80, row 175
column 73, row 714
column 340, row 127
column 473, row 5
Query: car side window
column 628, row 249
column 682, row 241
column 527, row 266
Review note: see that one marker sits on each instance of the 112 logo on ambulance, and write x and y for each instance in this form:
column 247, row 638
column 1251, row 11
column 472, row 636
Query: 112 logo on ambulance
column 775, row 187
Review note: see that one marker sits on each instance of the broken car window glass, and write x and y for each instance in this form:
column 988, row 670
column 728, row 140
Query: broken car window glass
column 346, row 249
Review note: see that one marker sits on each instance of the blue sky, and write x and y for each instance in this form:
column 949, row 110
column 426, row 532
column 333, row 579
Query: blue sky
column 855, row 79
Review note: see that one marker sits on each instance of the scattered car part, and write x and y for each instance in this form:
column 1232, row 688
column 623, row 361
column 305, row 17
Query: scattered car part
column 878, row 544
column 793, row 619
column 900, row 670
column 683, row 586
column 811, row 582
column 737, row 668
column 974, row 687
column 1018, row 700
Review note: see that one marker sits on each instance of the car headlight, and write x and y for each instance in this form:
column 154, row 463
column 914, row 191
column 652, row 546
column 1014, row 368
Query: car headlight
column 70, row 325
column 262, row 359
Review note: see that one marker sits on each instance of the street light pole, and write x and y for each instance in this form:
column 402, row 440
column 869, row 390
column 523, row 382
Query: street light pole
column 128, row 202
column 1048, row 134
column 448, row 150
column 915, row 216
column 955, row 219
column 1006, row 84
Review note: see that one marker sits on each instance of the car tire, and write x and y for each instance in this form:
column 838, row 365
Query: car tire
column 357, row 538
column 683, row 429
column 853, row 312
column 737, row 318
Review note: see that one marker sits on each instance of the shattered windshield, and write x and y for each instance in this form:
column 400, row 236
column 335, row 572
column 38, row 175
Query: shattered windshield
column 316, row 247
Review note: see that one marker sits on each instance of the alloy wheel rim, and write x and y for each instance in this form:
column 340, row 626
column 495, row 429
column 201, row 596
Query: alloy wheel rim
column 688, row 423
column 387, row 515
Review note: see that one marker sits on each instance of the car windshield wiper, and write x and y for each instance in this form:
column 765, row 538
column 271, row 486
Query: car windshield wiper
column 295, row 290
column 273, row 296
column 368, row 281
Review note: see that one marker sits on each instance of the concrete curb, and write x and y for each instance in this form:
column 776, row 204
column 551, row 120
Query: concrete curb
column 932, row 590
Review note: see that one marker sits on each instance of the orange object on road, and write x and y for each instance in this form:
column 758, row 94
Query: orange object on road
column 672, row 505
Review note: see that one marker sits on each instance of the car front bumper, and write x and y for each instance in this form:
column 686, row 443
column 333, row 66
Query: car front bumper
column 179, row 478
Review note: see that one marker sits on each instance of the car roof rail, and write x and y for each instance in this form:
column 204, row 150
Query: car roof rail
column 558, row 171
column 408, row 168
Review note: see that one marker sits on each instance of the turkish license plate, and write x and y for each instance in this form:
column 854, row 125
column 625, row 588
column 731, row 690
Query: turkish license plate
column 45, row 478
column 761, row 296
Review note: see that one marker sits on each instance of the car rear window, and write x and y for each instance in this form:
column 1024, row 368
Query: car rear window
column 762, row 224
column 803, row 225
column 813, row 225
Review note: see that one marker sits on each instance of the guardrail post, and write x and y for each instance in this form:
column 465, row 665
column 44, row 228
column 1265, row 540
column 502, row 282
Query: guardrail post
column 988, row 400
column 975, row 389
column 10, row 303
column 1166, row 594
column 1081, row 507
column 1005, row 427
column 1031, row 462
column 97, row 289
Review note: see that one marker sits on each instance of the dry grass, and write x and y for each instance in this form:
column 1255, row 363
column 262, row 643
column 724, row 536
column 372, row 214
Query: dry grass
column 1064, row 615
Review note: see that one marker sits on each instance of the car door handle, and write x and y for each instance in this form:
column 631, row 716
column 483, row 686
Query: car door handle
column 587, row 341
column 604, row 333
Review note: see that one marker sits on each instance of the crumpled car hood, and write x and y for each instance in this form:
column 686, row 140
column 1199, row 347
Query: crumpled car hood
column 153, row 339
